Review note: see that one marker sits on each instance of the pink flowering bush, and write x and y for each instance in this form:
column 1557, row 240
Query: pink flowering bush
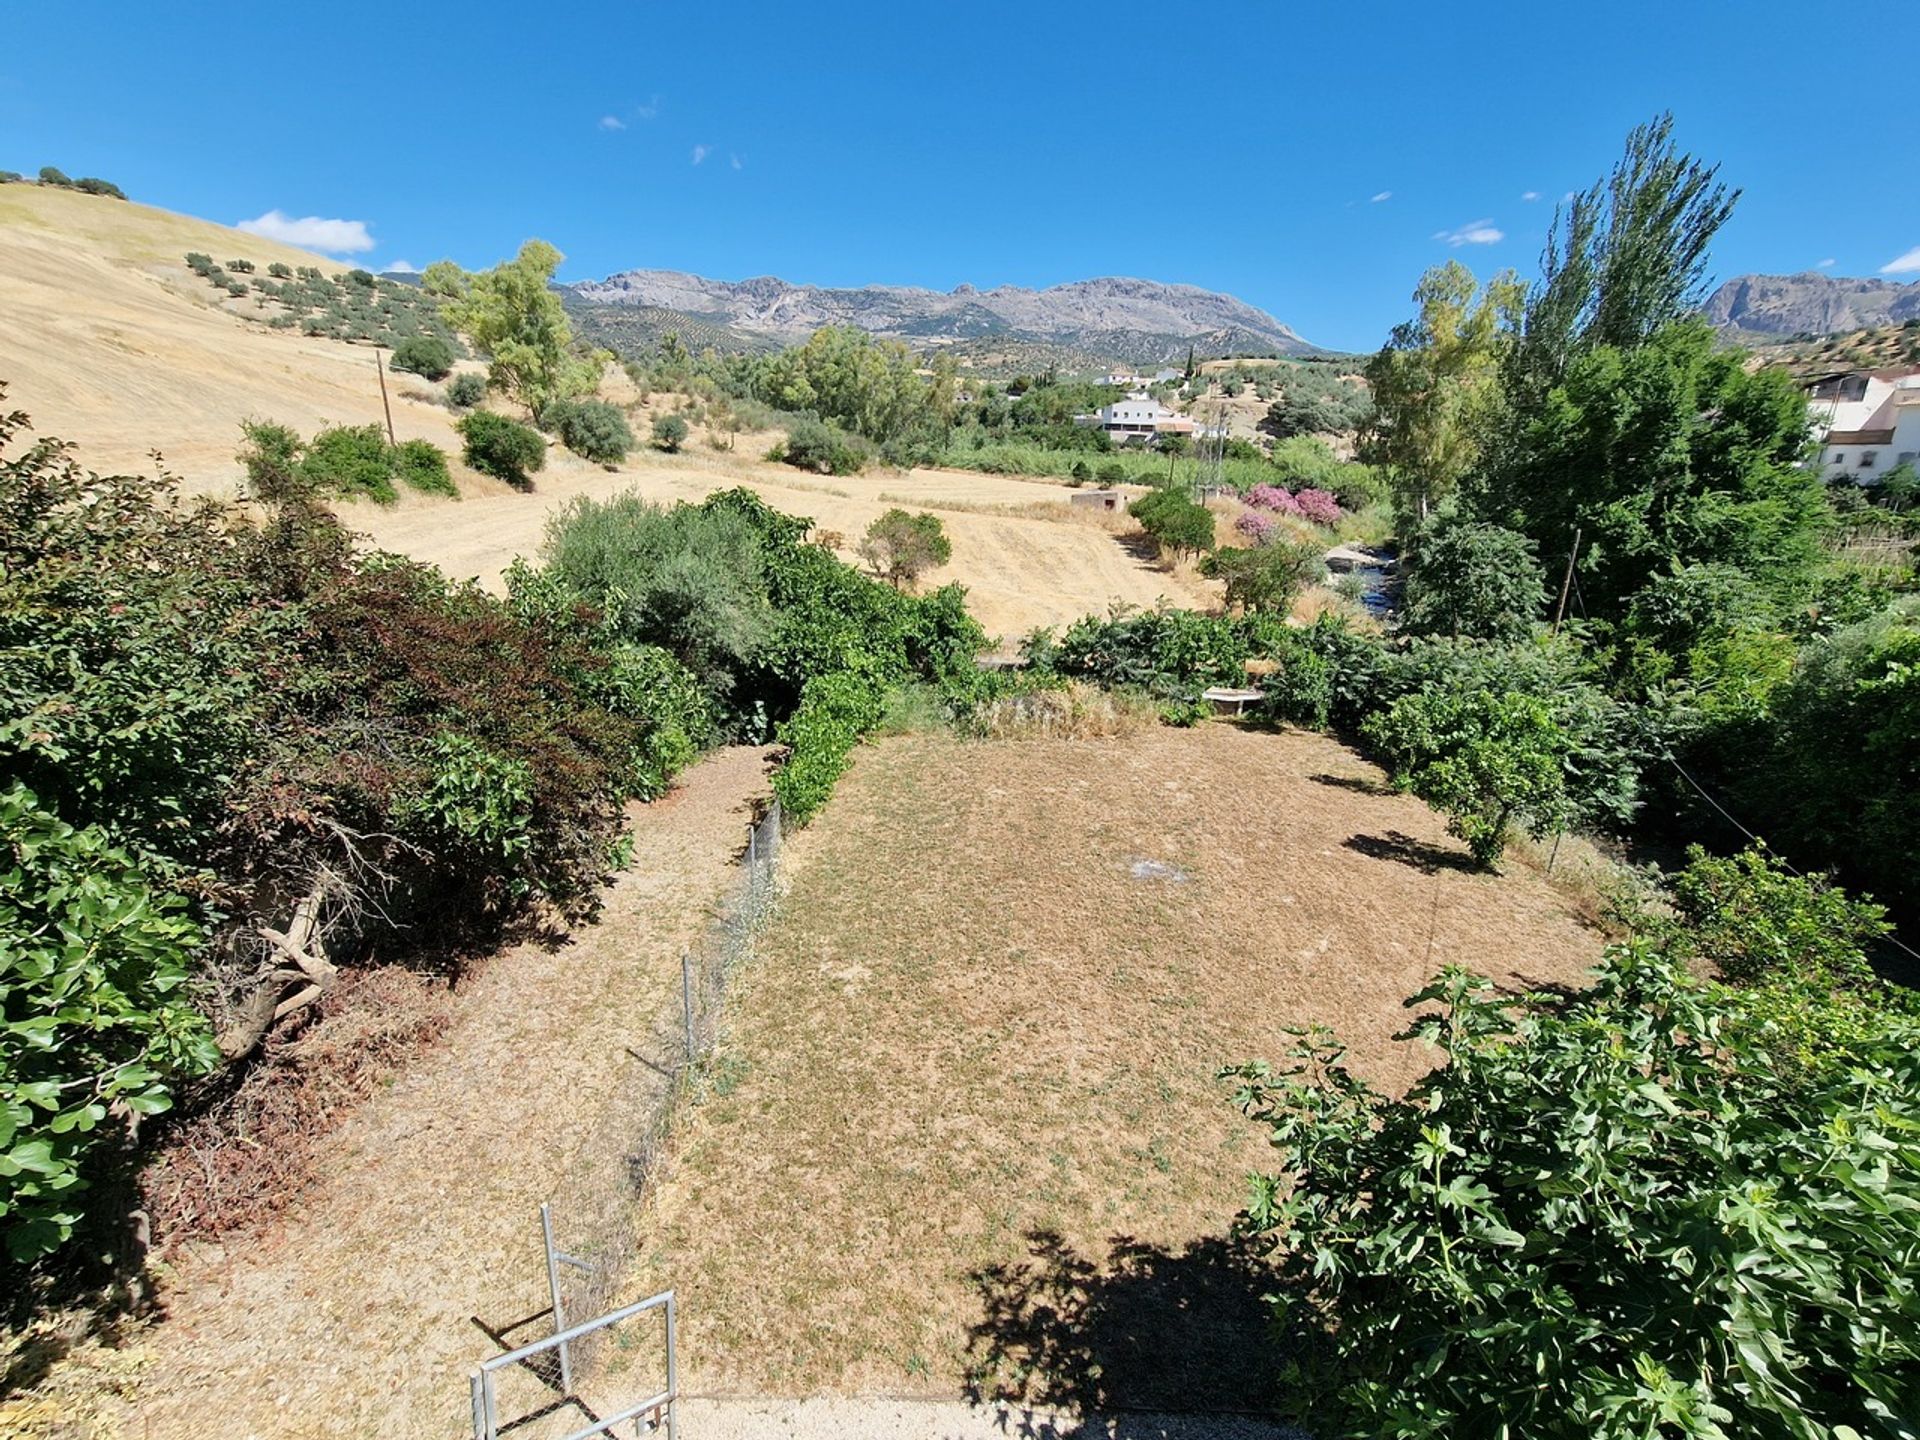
column 1317, row 506
column 1255, row 526
column 1272, row 497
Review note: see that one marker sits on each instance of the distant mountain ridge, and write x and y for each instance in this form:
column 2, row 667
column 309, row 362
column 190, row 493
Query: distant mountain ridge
column 1112, row 320
column 1810, row 303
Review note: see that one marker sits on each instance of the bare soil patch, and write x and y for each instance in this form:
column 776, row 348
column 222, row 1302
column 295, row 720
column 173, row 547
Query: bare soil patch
column 964, row 1134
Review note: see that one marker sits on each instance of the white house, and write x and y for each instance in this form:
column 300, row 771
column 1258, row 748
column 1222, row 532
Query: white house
column 1137, row 417
column 1868, row 423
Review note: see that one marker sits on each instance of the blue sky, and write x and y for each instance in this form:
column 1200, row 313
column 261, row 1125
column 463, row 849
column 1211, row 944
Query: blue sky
column 1312, row 160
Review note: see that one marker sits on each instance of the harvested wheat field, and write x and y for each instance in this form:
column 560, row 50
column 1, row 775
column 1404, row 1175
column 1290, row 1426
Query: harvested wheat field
column 111, row 342
column 1025, row 557
column 964, row 1134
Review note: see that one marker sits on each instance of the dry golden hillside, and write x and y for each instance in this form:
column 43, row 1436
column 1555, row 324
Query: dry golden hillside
column 110, row 341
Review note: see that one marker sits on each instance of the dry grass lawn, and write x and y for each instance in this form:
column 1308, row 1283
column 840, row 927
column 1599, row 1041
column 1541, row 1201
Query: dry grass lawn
column 966, row 1120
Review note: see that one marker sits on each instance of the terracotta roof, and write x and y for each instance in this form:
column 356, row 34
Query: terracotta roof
column 1859, row 437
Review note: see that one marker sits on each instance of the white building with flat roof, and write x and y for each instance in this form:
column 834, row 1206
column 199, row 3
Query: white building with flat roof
column 1867, row 422
column 1137, row 417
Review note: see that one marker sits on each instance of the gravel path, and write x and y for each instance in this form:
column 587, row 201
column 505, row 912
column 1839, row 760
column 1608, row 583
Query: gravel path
column 355, row 1316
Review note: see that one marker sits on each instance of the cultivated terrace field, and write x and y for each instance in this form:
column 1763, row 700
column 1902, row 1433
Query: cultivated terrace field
column 964, row 1126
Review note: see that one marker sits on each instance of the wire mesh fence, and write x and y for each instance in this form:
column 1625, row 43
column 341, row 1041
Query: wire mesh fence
column 595, row 1201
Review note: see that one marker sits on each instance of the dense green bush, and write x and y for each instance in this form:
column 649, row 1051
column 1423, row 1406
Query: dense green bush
column 95, row 1019
column 690, row 579
column 1174, row 520
column 732, row 590
column 425, row 355
column 1269, row 576
column 669, row 432
column 466, row 390
column 93, row 185
column 1471, row 580
column 211, row 715
column 592, row 429
column 422, row 465
column 1608, row 1216
column 280, row 270
column 53, row 175
column 1488, row 761
column 813, row 444
column 502, row 448
column 351, row 460
column 835, row 710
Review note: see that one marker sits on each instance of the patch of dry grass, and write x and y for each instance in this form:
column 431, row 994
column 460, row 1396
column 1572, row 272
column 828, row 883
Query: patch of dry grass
column 966, row 1117
column 1075, row 712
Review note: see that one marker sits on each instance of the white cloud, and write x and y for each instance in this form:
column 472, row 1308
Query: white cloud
column 1530, row 196
column 310, row 232
column 1906, row 264
column 1383, row 195
column 612, row 122
column 1474, row 232
column 700, row 152
column 1826, row 264
column 648, row 110
column 733, row 160
column 400, row 267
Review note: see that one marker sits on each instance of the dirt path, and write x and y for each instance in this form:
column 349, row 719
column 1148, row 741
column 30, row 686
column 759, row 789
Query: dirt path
column 354, row 1317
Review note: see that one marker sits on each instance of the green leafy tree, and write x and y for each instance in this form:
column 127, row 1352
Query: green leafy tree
column 902, row 547
column 1625, row 259
column 669, row 432
column 1669, row 453
column 513, row 316
column 1471, row 580
column 424, row 355
column 1608, row 1217
column 1436, row 384
column 1899, row 487
column 592, row 429
column 1174, row 520
column 1486, row 760
column 53, row 175
column 1269, row 576
column 444, row 279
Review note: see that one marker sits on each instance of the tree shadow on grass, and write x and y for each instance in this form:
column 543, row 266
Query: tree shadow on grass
column 1142, row 1329
column 1427, row 859
column 1359, row 784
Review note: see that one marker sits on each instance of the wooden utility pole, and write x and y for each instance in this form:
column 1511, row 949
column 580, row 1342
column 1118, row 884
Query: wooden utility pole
column 1566, row 581
column 385, row 404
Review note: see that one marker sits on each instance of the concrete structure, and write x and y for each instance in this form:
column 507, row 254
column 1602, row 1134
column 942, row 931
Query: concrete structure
column 1868, row 422
column 1098, row 499
column 1137, row 417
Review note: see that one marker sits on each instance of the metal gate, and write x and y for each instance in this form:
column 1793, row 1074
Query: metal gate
column 647, row 1413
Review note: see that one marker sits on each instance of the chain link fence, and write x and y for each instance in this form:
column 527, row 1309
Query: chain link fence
column 595, row 1202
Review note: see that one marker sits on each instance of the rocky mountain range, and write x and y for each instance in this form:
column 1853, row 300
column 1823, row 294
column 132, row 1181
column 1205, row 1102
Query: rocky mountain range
column 1811, row 303
column 1105, row 321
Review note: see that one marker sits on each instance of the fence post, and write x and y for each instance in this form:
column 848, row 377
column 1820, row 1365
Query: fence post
column 553, row 1287
column 673, row 1371
column 686, row 998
